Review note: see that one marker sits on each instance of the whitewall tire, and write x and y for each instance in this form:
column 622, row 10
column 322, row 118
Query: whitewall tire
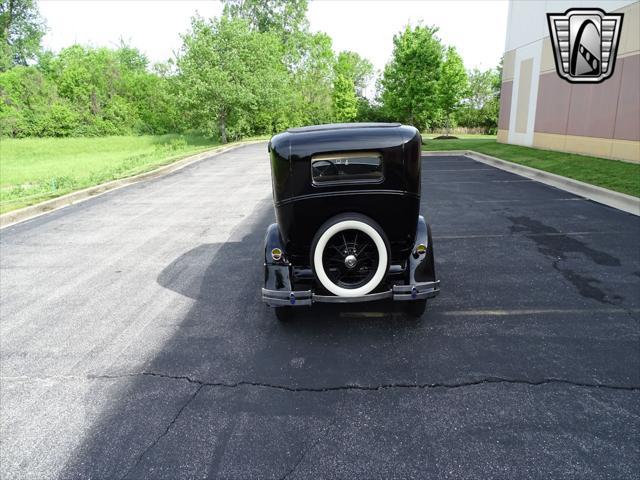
column 349, row 222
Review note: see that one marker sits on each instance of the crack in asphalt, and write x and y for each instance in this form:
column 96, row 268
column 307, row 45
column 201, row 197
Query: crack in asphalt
column 299, row 461
column 302, row 456
column 350, row 386
column 385, row 386
column 166, row 431
column 201, row 384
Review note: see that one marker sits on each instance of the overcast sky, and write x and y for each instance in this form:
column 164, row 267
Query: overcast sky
column 476, row 28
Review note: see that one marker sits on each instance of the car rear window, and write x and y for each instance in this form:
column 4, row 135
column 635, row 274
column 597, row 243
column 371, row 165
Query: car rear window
column 347, row 167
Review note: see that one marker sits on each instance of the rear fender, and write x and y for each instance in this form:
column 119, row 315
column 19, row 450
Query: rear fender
column 277, row 273
column 422, row 267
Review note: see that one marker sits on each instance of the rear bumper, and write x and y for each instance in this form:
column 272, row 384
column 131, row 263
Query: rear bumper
column 418, row 291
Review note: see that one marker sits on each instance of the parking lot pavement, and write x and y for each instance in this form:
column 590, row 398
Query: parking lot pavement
column 134, row 343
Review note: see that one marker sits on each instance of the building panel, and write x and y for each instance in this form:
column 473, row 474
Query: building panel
column 539, row 108
column 628, row 114
column 554, row 97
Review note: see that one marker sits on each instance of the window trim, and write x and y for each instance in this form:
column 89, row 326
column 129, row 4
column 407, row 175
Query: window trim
column 336, row 156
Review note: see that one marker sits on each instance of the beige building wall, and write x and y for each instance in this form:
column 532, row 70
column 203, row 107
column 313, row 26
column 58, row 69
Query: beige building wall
column 540, row 109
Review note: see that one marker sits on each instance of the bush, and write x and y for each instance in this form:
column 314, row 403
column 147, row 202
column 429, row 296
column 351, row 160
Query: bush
column 26, row 97
column 12, row 122
column 60, row 121
column 86, row 92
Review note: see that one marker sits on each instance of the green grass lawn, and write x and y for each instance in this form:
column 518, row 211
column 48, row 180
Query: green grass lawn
column 37, row 169
column 612, row 174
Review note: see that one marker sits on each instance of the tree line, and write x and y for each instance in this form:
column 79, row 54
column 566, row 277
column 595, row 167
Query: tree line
column 257, row 69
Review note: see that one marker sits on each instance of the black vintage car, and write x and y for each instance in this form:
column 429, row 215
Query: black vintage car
column 348, row 228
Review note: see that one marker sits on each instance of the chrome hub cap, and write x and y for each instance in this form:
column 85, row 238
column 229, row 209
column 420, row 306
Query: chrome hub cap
column 350, row 258
column 350, row 261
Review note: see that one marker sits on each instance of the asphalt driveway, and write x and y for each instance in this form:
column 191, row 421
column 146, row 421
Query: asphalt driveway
column 134, row 344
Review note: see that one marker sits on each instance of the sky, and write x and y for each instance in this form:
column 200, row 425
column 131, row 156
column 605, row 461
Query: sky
column 476, row 28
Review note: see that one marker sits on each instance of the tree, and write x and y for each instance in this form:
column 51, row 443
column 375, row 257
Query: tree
column 479, row 109
column 312, row 80
column 229, row 76
column 87, row 91
column 26, row 97
column 410, row 81
column 351, row 76
column 93, row 81
column 256, row 70
column 277, row 16
column 21, row 31
column 355, row 68
column 308, row 57
column 345, row 101
column 370, row 111
column 452, row 85
column 285, row 18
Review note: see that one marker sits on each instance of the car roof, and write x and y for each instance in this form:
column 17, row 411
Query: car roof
column 342, row 126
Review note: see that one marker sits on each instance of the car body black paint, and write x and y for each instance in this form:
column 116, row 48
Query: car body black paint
column 301, row 207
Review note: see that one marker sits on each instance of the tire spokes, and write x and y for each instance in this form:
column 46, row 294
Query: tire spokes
column 346, row 243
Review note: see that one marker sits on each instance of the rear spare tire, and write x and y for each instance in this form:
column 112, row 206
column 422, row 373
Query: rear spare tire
column 350, row 255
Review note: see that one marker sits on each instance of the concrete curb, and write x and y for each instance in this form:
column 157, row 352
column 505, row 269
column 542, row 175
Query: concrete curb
column 11, row 218
column 621, row 201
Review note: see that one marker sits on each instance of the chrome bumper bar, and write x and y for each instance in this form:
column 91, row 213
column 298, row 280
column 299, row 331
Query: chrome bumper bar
column 280, row 298
column 418, row 291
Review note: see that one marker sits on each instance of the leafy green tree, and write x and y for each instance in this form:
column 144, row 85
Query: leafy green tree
column 131, row 59
column 452, row 85
column 228, row 75
column 280, row 16
column 312, row 81
column 345, row 101
column 21, row 31
column 87, row 91
column 85, row 76
column 355, row 68
column 157, row 101
column 91, row 79
column 24, row 96
column 410, row 80
column 497, row 89
column 308, row 57
column 256, row 70
column 480, row 107
column 150, row 93
column 30, row 105
column 285, row 18
column 497, row 80
column 371, row 111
